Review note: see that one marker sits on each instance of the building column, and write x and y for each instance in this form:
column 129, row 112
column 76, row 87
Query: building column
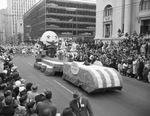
column 127, row 17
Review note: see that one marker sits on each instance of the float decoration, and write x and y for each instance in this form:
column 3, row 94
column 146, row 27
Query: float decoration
column 92, row 78
column 50, row 40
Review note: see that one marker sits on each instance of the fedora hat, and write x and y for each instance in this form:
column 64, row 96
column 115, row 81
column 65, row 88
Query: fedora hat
column 76, row 95
column 34, row 88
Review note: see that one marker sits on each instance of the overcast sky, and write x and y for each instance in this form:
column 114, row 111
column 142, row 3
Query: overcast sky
column 3, row 3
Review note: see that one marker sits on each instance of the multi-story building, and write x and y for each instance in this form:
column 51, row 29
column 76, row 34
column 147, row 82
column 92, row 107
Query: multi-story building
column 127, row 15
column 67, row 18
column 3, row 26
column 16, row 10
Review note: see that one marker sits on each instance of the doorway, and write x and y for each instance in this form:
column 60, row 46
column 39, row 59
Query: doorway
column 145, row 26
column 107, row 30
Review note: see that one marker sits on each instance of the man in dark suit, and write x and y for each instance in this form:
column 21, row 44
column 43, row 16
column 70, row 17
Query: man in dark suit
column 46, row 107
column 80, row 105
column 8, row 109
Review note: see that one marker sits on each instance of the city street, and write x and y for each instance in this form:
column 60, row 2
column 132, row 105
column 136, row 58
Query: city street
column 113, row 33
column 133, row 100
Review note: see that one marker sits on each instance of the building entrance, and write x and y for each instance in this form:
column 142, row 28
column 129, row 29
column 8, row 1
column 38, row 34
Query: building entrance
column 145, row 26
column 107, row 30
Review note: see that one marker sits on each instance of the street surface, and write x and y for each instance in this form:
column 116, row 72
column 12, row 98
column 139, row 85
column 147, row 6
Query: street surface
column 133, row 100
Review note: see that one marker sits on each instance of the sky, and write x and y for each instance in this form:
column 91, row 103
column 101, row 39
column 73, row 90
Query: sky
column 3, row 3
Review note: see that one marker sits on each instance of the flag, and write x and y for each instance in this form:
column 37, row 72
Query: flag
column 71, row 20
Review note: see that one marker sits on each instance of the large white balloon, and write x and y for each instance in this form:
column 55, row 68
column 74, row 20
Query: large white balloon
column 49, row 38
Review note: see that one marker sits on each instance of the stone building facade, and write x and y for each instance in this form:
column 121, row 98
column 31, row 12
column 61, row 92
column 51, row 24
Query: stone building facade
column 127, row 15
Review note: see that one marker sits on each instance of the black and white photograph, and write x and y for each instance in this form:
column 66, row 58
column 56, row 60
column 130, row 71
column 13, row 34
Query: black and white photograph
column 74, row 57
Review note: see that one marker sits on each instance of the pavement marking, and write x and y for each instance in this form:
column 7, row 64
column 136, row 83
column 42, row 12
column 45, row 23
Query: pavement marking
column 30, row 63
column 63, row 86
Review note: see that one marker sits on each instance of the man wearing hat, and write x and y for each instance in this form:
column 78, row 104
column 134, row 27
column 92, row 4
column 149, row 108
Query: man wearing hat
column 46, row 107
column 33, row 92
column 80, row 105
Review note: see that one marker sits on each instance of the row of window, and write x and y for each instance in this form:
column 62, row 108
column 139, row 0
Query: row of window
column 64, row 25
column 19, row 4
column 73, row 4
column 144, row 5
column 69, row 18
column 67, row 11
column 70, row 32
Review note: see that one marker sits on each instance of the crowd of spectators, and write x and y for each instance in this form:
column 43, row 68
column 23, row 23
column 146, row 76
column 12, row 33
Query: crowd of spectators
column 21, row 98
column 20, row 49
column 130, row 56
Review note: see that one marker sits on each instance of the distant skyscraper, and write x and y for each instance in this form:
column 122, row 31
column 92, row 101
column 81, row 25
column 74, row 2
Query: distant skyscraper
column 3, row 26
column 16, row 10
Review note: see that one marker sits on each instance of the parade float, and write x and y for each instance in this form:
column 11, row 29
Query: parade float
column 91, row 78
column 51, row 64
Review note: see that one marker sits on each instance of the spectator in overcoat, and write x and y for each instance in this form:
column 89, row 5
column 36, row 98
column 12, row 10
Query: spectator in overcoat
column 140, row 69
column 146, row 71
column 46, row 106
column 80, row 105
column 8, row 109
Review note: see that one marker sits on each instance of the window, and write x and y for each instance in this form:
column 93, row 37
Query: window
column 108, row 10
column 144, row 5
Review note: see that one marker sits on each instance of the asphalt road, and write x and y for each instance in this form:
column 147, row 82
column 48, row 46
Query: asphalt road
column 133, row 100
